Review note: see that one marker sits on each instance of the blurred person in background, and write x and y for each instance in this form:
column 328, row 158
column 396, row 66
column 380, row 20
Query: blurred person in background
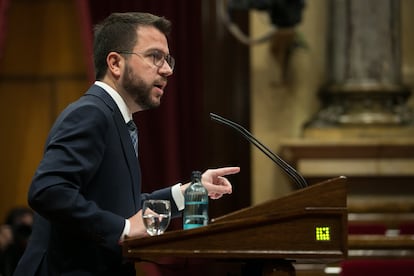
column 14, row 235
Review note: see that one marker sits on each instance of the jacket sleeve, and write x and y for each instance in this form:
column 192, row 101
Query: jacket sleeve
column 73, row 153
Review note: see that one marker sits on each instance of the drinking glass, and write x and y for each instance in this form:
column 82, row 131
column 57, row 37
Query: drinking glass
column 156, row 214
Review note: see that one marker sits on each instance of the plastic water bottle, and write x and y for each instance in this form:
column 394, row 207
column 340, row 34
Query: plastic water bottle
column 196, row 203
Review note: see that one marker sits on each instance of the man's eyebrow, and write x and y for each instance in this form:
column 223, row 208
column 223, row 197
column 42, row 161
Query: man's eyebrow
column 155, row 50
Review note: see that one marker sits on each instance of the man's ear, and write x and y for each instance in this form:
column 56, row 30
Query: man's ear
column 115, row 63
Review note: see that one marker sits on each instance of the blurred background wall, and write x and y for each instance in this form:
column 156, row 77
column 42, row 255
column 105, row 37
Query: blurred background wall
column 285, row 95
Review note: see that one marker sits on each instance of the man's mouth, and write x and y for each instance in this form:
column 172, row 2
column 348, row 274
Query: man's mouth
column 160, row 85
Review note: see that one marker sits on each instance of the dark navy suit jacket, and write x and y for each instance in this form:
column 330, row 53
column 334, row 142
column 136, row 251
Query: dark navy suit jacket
column 85, row 187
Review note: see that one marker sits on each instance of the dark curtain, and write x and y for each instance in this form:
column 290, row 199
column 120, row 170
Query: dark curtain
column 169, row 136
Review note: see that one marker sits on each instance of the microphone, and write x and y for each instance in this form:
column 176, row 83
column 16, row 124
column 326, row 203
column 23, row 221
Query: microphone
column 294, row 174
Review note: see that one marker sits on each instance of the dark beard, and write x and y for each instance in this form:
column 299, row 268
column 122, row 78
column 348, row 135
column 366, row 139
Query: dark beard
column 138, row 90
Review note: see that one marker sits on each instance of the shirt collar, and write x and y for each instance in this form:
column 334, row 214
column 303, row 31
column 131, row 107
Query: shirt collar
column 126, row 114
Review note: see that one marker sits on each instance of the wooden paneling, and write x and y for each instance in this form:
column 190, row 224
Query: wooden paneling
column 24, row 121
column 42, row 70
column 43, row 39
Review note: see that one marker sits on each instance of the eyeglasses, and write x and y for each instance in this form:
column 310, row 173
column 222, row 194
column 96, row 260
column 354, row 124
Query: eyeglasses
column 158, row 58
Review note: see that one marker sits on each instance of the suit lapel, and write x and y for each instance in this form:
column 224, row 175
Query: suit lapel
column 129, row 153
column 128, row 148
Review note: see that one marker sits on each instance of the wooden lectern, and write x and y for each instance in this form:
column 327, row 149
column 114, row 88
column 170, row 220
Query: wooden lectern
column 307, row 226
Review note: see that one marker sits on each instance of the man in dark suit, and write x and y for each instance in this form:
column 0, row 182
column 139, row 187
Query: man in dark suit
column 87, row 189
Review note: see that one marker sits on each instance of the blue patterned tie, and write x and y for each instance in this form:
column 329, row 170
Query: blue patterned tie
column 134, row 135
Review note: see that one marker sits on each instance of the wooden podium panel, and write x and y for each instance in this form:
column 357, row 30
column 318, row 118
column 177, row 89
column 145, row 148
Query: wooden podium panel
column 309, row 226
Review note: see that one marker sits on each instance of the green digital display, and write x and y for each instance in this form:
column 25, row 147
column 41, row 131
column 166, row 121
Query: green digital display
column 323, row 233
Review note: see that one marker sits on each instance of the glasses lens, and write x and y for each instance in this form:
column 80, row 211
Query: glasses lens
column 158, row 58
column 171, row 61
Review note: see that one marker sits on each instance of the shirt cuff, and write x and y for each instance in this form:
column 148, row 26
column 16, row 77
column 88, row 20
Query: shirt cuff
column 178, row 196
column 125, row 233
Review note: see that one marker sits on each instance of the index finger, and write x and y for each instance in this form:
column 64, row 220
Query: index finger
column 226, row 171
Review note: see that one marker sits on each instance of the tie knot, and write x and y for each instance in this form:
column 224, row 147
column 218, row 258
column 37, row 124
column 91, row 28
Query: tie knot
column 131, row 126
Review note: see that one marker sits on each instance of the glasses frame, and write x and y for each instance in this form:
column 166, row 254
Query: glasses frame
column 157, row 62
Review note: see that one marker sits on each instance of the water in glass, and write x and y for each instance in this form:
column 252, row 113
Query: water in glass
column 156, row 215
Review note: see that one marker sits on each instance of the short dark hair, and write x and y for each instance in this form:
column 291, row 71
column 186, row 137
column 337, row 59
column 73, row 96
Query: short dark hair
column 118, row 33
